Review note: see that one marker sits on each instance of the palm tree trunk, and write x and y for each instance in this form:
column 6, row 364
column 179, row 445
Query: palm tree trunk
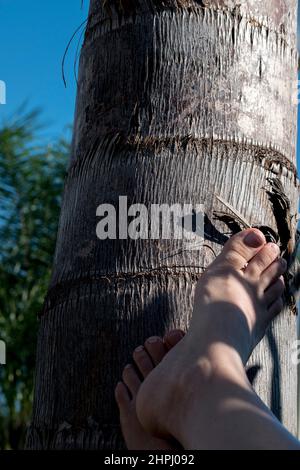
column 177, row 100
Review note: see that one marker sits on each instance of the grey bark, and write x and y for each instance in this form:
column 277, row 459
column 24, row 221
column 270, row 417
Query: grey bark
column 177, row 100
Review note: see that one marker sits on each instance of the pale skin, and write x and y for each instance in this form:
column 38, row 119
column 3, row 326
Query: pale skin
column 145, row 357
column 197, row 394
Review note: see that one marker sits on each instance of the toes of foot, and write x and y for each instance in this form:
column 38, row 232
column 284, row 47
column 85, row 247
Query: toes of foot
column 122, row 395
column 155, row 348
column 242, row 247
column 143, row 361
column 262, row 260
column 274, row 292
column 131, row 379
column 272, row 273
column 172, row 338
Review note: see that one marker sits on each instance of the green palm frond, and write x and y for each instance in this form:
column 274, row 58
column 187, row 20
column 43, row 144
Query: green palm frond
column 31, row 183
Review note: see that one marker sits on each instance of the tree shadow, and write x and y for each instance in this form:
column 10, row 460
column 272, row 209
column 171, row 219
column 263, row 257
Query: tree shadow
column 276, row 404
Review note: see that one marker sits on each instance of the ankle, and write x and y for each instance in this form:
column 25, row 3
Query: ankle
column 220, row 338
column 208, row 381
column 216, row 361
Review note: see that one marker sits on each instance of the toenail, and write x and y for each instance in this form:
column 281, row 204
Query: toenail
column 153, row 339
column 254, row 239
column 274, row 247
column 139, row 349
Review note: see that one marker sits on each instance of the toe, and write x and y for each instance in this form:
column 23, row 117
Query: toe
column 261, row 261
column 172, row 338
column 131, row 379
column 122, row 395
column 156, row 349
column 272, row 273
column 274, row 292
column 241, row 248
column 143, row 361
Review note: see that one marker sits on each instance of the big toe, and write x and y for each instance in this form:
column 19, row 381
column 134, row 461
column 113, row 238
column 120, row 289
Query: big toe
column 241, row 248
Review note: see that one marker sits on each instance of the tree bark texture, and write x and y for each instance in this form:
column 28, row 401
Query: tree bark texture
column 177, row 101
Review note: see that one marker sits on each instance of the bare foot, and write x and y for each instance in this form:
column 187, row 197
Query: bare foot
column 235, row 300
column 146, row 358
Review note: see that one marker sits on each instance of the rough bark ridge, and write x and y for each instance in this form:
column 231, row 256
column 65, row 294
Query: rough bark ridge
column 177, row 100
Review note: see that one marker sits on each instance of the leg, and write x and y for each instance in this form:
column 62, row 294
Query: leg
column 207, row 401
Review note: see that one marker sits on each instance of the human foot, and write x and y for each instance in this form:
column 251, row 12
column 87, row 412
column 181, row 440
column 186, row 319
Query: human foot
column 241, row 290
column 146, row 358
column 235, row 300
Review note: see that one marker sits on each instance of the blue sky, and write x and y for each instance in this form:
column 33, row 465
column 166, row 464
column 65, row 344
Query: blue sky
column 33, row 39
